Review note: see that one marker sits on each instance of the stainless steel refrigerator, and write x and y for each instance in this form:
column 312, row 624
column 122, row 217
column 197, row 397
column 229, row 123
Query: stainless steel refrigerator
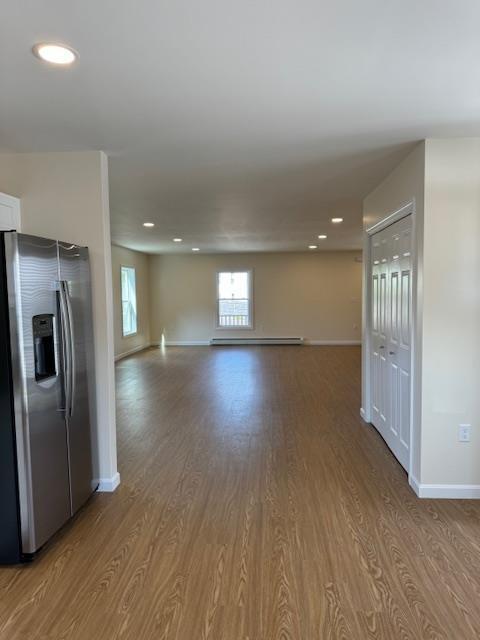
column 46, row 377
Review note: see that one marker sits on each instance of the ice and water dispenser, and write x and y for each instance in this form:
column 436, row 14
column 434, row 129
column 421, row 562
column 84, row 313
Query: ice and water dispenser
column 44, row 346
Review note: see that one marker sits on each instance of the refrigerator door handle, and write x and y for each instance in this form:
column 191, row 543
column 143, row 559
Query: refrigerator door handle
column 71, row 337
column 66, row 347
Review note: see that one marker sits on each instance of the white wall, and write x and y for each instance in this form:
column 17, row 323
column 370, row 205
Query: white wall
column 443, row 176
column 316, row 295
column 65, row 196
column 127, row 258
column 451, row 312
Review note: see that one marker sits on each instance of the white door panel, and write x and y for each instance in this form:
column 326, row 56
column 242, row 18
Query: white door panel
column 405, row 307
column 405, row 408
column 394, row 400
column 394, row 298
column 384, row 395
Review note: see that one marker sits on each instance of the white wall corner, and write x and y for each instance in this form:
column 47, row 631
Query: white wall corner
column 141, row 347
column 108, row 485
column 108, row 453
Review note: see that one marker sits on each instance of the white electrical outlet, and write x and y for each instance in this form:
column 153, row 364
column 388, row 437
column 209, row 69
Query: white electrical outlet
column 464, row 432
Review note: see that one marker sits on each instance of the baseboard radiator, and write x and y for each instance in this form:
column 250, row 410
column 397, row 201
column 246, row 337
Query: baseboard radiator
column 254, row 341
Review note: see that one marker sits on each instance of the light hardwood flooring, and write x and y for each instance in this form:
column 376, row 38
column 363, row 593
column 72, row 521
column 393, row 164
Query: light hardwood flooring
column 254, row 505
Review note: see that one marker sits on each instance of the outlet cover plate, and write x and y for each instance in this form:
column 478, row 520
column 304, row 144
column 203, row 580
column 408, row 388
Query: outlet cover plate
column 464, row 432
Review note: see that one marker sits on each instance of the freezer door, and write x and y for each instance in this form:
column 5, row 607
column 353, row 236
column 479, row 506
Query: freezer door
column 74, row 276
column 32, row 273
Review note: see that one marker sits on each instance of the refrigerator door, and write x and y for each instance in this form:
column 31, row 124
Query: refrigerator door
column 10, row 540
column 74, row 276
column 42, row 461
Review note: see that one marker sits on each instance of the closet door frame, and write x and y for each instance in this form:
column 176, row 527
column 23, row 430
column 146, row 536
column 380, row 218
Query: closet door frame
column 366, row 413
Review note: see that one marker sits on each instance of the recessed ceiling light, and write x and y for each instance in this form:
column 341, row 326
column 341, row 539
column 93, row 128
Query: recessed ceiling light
column 148, row 224
column 312, row 246
column 337, row 220
column 195, row 249
column 55, row 53
column 177, row 239
column 322, row 237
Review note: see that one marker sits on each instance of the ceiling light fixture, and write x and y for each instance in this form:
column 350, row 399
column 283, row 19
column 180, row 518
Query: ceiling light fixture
column 322, row 237
column 337, row 220
column 312, row 246
column 178, row 240
column 55, row 53
column 148, row 224
column 195, row 249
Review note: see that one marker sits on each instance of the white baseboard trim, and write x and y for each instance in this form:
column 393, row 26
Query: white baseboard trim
column 445, row 491
column 206, row 343
column 363, row 415
column 108, row 485
column 332, row 343
column 129, row 353
column 186, row 343
column 265, row 341
column 413, row 482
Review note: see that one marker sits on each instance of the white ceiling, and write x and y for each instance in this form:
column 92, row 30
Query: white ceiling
column 240, row 125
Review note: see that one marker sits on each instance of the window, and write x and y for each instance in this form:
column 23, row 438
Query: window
column 129, row 301
column 234, row 299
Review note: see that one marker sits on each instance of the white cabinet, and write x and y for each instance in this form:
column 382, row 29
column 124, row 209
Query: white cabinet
column 9, row 213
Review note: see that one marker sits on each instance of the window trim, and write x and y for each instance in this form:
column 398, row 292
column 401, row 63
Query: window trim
column 133, row 333
column 250, row 325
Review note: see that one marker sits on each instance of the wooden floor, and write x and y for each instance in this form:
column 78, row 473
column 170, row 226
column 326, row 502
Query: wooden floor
column 254, row 504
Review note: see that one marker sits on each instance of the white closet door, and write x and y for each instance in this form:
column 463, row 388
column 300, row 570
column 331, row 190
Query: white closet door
column 391, row 329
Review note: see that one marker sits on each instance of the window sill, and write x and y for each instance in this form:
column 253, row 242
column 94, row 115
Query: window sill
column 234, row 328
